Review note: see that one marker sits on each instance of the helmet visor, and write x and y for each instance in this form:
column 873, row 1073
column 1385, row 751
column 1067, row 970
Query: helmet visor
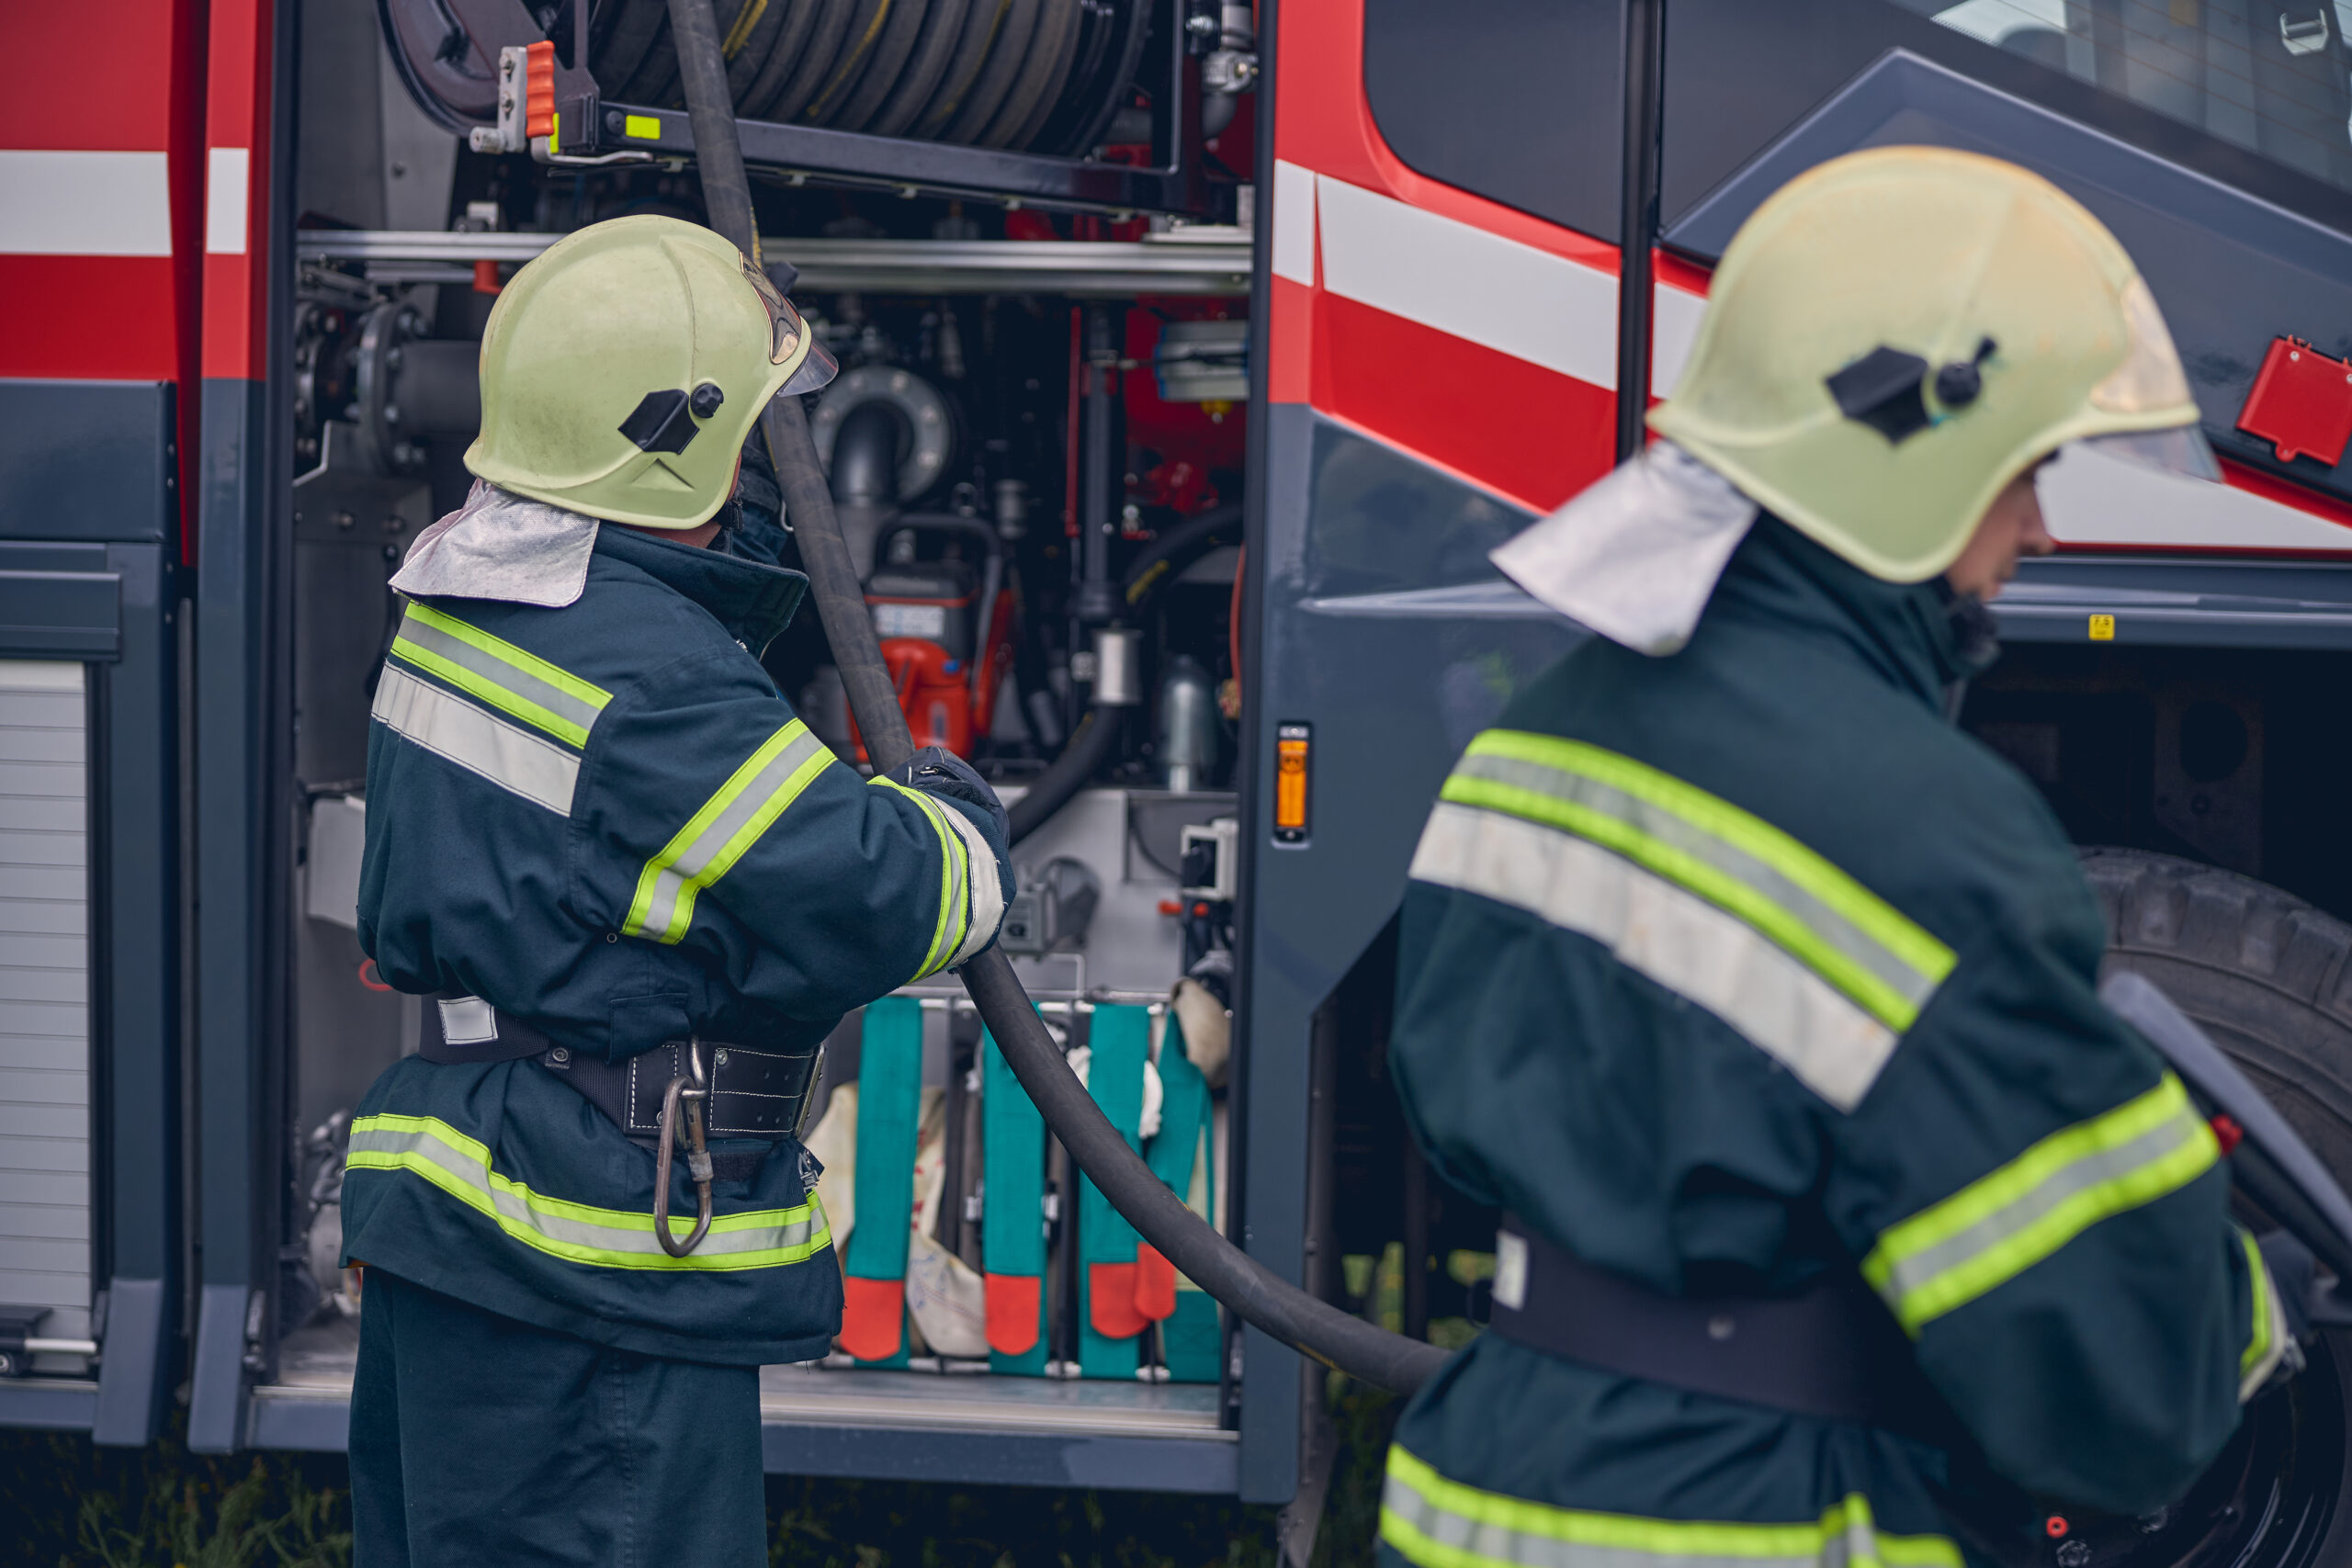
column 815, row 371
column 787, row 334
column 2182, row 450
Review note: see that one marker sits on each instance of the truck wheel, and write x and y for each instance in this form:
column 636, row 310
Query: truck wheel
column 2270, row 979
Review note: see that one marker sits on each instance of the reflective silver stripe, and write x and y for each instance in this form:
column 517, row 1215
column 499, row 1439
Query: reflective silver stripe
column 1666, row 828
column 459, row 1166
column 507, row 755
column 987, row 901
column 2002, row 1224
column 576, row 713
column 1677, row 939
column 1440, row 1523
column 717, row 836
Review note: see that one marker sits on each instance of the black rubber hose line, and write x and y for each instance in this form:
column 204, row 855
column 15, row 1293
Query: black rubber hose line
column 1082, row 756
column 1177, row 547
column 1253, row 1291
column 1097, row 734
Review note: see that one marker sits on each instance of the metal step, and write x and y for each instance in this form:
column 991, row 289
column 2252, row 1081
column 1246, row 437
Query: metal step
column 906, row 1426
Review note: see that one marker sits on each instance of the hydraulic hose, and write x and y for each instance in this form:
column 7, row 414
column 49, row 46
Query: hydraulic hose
column 1092, row 743
column 1082, row 756
column 1253, row 1291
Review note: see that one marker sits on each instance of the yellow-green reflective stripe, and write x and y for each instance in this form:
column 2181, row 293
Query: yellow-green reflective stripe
column 1793, row 858
column 1444, row 1524
column 508, row 755
column 1853, row 939
column 1765, row 875
column 1869, row 992
column 716, row 837
column 2257, row 1342
column 1706, row 955
column 500, row 673
column 952, row 880
column 1999, row 1226
column 429, row 1148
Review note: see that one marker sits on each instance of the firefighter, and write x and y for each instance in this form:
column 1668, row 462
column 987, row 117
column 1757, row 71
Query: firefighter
column 1760, row 999
column 633, row 894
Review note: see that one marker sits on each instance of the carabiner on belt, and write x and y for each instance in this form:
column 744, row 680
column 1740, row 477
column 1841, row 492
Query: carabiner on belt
column 695, row 1091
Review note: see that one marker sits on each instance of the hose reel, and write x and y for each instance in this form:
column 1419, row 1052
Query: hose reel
column 1041, row 76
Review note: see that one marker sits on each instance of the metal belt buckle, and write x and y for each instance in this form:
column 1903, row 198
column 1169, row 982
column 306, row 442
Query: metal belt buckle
column 693, row 1090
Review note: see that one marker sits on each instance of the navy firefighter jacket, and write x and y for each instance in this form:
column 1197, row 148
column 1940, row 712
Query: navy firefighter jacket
column 604, row 818
column 1734, row 968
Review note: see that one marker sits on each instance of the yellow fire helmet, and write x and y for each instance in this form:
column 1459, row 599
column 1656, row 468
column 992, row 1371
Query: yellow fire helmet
column 622, row 368
column 1897, row 334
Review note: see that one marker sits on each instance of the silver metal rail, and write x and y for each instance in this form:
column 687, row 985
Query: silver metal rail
column 1185, row 261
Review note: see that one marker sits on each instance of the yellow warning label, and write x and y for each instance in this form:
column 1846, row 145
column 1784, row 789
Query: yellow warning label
column 2103, row 628
column 644, row 127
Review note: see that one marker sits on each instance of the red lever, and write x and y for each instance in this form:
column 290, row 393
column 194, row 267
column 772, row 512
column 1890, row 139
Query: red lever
column 2301, row 403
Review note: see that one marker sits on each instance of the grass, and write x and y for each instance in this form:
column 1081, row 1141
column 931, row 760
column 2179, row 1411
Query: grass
column 65, row 1504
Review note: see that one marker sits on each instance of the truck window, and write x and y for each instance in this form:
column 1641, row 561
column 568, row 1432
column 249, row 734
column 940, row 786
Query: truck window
column 2266, row 77
column 2257, row 94
column 1514, row 100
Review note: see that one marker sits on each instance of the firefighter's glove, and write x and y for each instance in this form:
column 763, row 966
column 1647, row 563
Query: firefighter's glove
column 937, row 770
column 2295, row 1274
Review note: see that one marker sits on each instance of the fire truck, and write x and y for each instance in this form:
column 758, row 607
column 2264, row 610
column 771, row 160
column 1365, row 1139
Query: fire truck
column 1196, row 353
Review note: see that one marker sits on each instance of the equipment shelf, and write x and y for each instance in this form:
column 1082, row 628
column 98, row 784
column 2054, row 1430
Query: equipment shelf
column 1203, row 261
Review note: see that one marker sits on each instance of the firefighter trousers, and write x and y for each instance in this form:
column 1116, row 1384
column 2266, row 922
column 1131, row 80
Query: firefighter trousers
column 476, row 1439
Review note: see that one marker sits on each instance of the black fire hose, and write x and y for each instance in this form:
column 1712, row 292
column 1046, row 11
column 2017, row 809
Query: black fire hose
column 1090, row 744
column 1251, row 1290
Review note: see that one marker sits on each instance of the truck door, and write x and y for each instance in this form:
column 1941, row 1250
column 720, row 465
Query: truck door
column 1441, row 274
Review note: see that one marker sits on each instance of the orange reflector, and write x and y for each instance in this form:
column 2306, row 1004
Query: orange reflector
column 1290, row 782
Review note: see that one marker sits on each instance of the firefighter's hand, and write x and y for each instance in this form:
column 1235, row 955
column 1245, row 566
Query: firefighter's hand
column 2294, row 1274
column 941, row 772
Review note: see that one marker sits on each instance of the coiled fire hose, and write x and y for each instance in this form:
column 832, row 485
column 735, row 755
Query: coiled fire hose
column 1249, row 1288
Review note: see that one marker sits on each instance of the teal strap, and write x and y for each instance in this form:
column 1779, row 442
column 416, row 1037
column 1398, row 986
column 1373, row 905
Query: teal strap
column 1192, row 1339
column 1184, row 1115
column 1013, row 1193
column 1012, row 1202
column 1121, row 1040
column 890, row 1102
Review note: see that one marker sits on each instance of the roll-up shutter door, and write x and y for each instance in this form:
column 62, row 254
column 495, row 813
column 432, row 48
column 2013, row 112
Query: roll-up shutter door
column 44, row 999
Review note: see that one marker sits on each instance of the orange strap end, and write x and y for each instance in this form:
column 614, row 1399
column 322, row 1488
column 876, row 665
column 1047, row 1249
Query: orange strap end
column 1155, row 1283
column 1012, row 1312
column 873, row 1318
column 1111, row 1301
